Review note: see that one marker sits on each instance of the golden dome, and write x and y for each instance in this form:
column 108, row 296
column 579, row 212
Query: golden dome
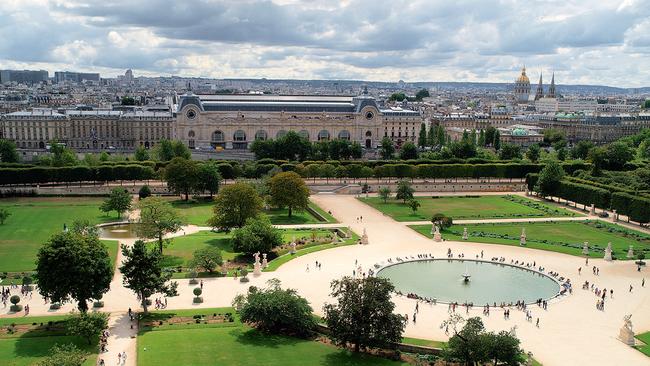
column 523, row 78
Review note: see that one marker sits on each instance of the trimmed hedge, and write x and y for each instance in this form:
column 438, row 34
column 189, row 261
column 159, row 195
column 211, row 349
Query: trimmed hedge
column 39, row 175
column 635, row 207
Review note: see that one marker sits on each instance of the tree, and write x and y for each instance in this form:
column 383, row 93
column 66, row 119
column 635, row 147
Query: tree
column 414, row 205
column 292, row 146
column 87, row 325
column 503, row 348
column 356, row 150
column 126, row 100
column 64, row 355
column 581, row 149
column 404, row 190
column 422, row 137
column 73, row 265
column 553, row 136
column 497, row 140
column 618, row 153
column 441, row 220
column 561, row 154
column 533, row 153
column 235, row 204
column 421, row 94
column 509, row 152
column 549, row 179
column 119, row 201
column 481, row 138
column 490, row 133
column 387, row 148
column 8, row 153
column 276, row 310
column 431, row 135
column 208, row 178
column 257, row 235
column 182, row 176
column 143, row 273
column 288, row 189
column 157, row 218
column 397, row 97
column 384, row 193
column 408, row 151
column 141, row 154
column 463, row 149
column 164, row 150
column 363, row 315
column 4, row 215
column 598, row 157
column 144, row 192
column 207, row 258
column 61, row 155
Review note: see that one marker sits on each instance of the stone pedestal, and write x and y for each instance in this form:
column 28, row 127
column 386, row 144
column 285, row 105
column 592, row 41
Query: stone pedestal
column 465, row 234
column 364, row 237
column 293, row 247
column 585, row 248
column 608, row 252
column 437, row 237
column 265, row 262
column 257, row 266
column 593, row 209
column 630, row 252
column 522, row 237
column 626, row 334
column 614, row 216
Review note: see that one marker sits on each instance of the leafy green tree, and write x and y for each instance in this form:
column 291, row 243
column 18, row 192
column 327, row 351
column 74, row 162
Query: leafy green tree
column 72, row 265
column 497, row 140
column 553, row 136
column 4, row 215
column 442, row 136
column 235, row 204
column 581, row 149
column 387, row 148
column 327, row 171
column 509, row 152
column 432, row 137
column 292, row 146
column 503, row 348
column 87, row 325
column 276, row 310
column 481, row 138
column 414, row 205
column 143, row 273
column 533, row 153
column 208, row 178
column 182, row 176
column 180, row 150
column 144, row 192
column 490, row 133
column 127, row 100
column 207, row 258
column 384, row 193
column 408, row 151
column 363, row 316
column 289, row 190
column 257, row 235
column 141, row 154
column 462, row 149
column 164, row 151
column 618, row 153
column 468, row 345
column 397, row 97
column 356, row 151
column 263, row 149
column 61, row 155
column 422, row 137
column 404, row 190
column 549, row 179
column 64, row 355
column 561, row 154
column 646, row 104
column 157, row 219
column 421, row 94
column 441, row 220
column 119, row 201
column 8, row 152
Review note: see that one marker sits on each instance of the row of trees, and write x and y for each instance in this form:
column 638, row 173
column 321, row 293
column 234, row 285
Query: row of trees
column 293, row 146
column 39, row 175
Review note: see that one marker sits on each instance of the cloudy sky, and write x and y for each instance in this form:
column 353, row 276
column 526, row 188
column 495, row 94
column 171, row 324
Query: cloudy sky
column 583, row 41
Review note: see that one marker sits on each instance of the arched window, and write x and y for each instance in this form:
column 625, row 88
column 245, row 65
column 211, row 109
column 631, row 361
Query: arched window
column 261, row 135
column 368, row 134
column 280, row 134
column 239, row 135
column 190, row 134
column 217, row 136
column 304, row 134
column 344, row 135
column 323, row 135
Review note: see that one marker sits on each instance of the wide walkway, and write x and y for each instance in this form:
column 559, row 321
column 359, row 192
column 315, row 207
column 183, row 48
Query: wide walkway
column 571, row 332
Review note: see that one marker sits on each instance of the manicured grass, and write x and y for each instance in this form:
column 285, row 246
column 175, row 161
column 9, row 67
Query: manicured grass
column 197, row 212
column 328, row 218
column 560, row 236
column 423, row 342
column 645, row 338
column 28, row 348
column 467, row 207
column 238, row 344
column 33, row 220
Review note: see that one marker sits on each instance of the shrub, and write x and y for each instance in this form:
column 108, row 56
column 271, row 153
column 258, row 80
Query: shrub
column 144, row 192
column 15, row 299
column 197, row 291
column 15, row 308
column 55, row 306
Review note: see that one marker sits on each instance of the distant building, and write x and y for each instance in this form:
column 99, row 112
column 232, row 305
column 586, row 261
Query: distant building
column 522, row 87
column 128, row 76
column 74, row 77
column 600, row 129
column 23, row 76
column 521, row 135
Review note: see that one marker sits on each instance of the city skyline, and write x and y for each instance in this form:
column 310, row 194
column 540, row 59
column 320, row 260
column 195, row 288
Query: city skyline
column 582, row 42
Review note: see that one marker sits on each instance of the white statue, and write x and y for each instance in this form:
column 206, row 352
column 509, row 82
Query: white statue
column 364, row 237
column 585, row 248
column 626, row 334
column 630, row 252
column 257, row 266
column 614, row 216
column 293, row 247
column 465, row 234
column 522, row 237
column 265, row 262
column 436, row 234
column 608, row 252
column 593, row 209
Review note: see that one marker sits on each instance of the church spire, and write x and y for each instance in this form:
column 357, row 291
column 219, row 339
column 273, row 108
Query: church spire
column 551, row 89
column 539, row 93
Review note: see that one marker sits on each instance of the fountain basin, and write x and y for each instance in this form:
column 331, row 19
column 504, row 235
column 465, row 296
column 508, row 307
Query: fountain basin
column 121, row 230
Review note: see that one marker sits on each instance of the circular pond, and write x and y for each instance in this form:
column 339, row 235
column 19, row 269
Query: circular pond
column 442, row 279
column 117, row 231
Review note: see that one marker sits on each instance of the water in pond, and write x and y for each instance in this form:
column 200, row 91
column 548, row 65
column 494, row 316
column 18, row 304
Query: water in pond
column 119, row 231
column 489, row 282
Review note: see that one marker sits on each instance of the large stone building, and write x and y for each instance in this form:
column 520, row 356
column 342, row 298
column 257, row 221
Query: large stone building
column 234, row 121
column 599, row 128
column 522, row 87
column 23, row 76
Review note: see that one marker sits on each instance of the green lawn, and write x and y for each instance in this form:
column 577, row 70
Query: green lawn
column 423, row 342
column 33, row 220
column 645, row 338
column 237, row 344
column 467, row 207
column 28, row 348
column 560, row 236
column 197, row 212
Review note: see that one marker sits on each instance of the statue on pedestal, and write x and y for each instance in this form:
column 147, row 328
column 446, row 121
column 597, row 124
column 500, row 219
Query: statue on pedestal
column 293, row 247
column 626, row 334
column 614, row 216
column 630, row 252
column 257, row 266
column 522, row 237
column 436, row 234
column 593, row 209
column 364, row 237
column 585, row 248
column 465, row 234
column 608, row 252
column 265, row 262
